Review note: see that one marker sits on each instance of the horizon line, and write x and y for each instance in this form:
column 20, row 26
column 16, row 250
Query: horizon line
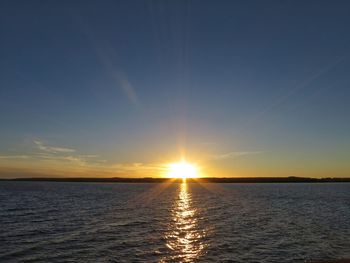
column 290, row 179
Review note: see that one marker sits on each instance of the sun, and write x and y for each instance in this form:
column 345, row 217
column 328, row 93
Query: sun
column 182, row 170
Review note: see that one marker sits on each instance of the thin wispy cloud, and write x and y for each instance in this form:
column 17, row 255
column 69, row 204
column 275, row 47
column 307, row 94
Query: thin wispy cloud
column 14, row 157
column 304, row 84
column 107, row 56
column 134, row 166
column 58, row 155
column 70, row 159
column 50, row 149
column 231, row 155
column 59, row 158
column 64, row 154
column 117, row 74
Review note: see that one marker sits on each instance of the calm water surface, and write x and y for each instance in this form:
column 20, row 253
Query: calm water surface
column 92, row 222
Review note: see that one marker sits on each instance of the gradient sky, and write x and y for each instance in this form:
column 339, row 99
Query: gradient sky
column 119, row 88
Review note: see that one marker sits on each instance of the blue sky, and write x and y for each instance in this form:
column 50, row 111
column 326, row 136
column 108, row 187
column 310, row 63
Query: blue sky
column 245, row 88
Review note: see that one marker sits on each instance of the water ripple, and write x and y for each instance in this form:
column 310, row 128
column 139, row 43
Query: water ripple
column 77, row 222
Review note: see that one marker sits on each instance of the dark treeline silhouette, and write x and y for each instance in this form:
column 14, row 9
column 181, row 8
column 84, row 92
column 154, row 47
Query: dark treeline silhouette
column 291, row 179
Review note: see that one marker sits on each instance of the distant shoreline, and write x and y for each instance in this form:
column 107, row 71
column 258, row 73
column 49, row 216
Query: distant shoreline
column 190, row 180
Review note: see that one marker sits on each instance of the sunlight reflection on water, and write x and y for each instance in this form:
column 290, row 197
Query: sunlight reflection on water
column 184, row 237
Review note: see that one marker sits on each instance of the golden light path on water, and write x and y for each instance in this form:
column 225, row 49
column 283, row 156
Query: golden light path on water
column 185, row 237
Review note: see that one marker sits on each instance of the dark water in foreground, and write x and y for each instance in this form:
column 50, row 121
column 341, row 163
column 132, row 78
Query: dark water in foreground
column 91, row 222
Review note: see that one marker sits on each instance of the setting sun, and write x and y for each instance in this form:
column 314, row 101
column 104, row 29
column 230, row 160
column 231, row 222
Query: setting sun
column 182, row 170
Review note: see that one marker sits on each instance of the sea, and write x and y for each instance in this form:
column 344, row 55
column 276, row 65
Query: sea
column 173, row 222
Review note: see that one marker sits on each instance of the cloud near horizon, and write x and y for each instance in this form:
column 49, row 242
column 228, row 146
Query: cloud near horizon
column 236, row 154
column 14, row 157
column 50, row 149
column 58, row 161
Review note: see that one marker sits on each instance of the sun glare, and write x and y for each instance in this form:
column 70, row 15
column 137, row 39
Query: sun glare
column 182, row 170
